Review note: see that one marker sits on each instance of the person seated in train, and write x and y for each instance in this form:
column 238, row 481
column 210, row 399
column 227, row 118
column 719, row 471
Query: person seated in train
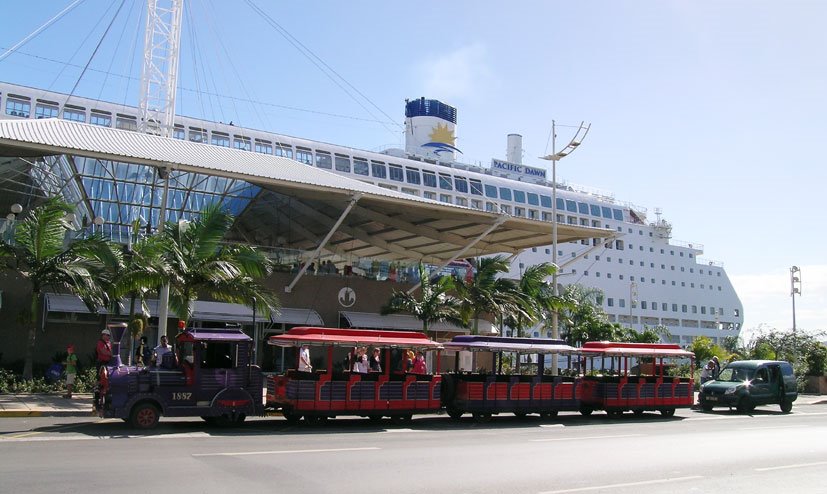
column 419, row 366
column 360, row 362
column 406, row 361
column 375, row 360
column 304, row 359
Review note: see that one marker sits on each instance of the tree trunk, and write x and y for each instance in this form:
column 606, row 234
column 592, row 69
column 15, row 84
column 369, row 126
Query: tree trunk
column 33, row 311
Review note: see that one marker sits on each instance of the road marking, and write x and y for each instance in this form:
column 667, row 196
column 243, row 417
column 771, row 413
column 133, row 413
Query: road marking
column 394, row 431
column 582, row 437
column 798, row 465
column 629, row 484
column 285, row 452
column 550, row 426
column 771, row 428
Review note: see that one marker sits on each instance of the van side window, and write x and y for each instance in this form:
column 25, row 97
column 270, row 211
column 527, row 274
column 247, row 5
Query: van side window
column 786, row 369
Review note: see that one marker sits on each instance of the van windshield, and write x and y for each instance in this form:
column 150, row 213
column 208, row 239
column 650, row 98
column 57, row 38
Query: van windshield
column 736, row 374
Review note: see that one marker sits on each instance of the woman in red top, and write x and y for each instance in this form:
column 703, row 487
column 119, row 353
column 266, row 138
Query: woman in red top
column 419, row 364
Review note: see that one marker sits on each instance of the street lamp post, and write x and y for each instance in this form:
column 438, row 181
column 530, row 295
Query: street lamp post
column 795, row 287
column 554, row 157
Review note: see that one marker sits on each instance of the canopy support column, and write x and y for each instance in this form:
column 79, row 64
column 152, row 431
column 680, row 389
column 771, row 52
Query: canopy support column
column 350, row 206
column 499, row 221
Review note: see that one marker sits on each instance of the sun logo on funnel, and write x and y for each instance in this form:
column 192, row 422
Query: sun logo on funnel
column 442, row 140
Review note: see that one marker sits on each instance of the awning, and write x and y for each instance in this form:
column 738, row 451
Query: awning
column 500, row 344
column 352, row 337
column 202, row 311
column 615, row 349
column 404, row 322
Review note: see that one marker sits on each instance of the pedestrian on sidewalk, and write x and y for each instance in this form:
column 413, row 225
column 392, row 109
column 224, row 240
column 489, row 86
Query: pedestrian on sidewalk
column 71, row 369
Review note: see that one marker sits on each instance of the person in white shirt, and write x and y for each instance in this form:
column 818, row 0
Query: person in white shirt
column 304, row 359
column 160, row 351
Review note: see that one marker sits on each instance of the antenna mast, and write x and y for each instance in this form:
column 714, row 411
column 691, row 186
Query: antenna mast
column 159, row 77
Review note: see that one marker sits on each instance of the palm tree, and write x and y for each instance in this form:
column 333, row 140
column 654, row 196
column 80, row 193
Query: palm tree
column 583, row 319
column 199, row 264
column 41, row 256
column 536, row 297
column 434, row 304
column 486, row 292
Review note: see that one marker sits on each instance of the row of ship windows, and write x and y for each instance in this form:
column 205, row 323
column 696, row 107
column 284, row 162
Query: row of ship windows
column 619, row 245
column 642, row 279
column 664, row 307
column 341, row 163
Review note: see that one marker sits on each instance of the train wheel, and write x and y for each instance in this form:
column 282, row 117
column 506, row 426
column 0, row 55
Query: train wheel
column 482, row 417
column 144, row 416
column 585, row 411
column 614, row 413
column 638, row 413
column 668, row 412
column 548, row 415
column 520, row 415
column 291, row 416
column 374, row 419
column 454, row 413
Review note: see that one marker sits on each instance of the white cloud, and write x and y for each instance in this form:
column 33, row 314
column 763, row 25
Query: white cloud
column 458, row 74
column 766, row 299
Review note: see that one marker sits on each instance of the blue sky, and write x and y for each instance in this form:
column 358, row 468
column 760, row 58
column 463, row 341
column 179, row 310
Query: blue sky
column 712, row 111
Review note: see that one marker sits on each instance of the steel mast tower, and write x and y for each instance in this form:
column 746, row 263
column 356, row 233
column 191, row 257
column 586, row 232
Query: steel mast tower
column 159, row 77
column 159, row 82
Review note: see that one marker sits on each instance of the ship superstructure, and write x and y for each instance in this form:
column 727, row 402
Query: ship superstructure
column 647, row 277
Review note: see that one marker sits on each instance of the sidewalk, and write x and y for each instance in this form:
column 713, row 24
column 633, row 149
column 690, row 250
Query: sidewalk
column 53, row 405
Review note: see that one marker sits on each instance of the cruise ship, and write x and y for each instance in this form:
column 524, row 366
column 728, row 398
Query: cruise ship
column 647, row 278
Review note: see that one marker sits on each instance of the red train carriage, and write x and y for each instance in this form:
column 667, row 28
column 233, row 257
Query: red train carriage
column 484, row 394
column 636, row 377
column 333, row 386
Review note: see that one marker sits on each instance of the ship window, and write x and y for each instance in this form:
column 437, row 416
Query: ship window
column 75, row 114
column 461, row 201
column 395, row 173
column 285, row 150
column 222, row 140
column 412, row 192
column 533, row 214
column 618, row 214
column 198, row 135
column 445, row 198
column 490, row 191
column 342, row 163
column 621, row 302
column 413, row 176
column 177, row 132
column 505, row 209
column 461, row 184
column 545, row 201
column 674, row 307
column 582, row 208
column 264, row 147
column 571, row 206
column 518, row 211
column 703, row 309
column 17, row 108
column 360, row 167
column 125, row 123
column 736, row 313
column 242, row 143
column 476, row 187
column 519, row 196
column 324, row 160
column 643, row 304
column 106, row 121
column 610, row 302
column 505, row 193
column 445, row 182
column 490, row 206
column 607, row 212
column 42, row 111
column 378, row 169
column 476, row 204
column 546, row 216
column 595, row 209
column 683, row 307
column 694, row 309
column 429, row 179
column 533, row 199
column 429, row 195
column 304, row 155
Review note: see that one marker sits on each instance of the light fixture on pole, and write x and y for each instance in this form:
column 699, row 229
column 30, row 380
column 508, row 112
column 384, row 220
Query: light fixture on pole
column 632, row 302
column 554, row 157
column 795, row 287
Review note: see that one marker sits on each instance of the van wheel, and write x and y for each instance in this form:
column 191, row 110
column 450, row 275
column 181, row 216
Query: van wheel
column 786, row 406
column 144, row 416
column 744, row 405
column 706, row 407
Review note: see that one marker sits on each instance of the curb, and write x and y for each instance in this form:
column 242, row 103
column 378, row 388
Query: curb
column 44, row 413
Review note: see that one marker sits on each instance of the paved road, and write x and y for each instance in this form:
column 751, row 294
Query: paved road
column 693, row 452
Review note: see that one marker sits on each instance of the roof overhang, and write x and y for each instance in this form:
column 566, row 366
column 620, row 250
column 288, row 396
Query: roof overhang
column 303, row 203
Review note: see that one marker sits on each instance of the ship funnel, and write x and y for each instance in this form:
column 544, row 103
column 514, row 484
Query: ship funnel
column 430, row 127
column 514, row 151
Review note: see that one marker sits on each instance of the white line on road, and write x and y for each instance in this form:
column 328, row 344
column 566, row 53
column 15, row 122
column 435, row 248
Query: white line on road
column 771, row 428
column 798, row 465
column 552, row 426
column 394, row 431
column 285, row 452
column 582, row 437
column 629, row 484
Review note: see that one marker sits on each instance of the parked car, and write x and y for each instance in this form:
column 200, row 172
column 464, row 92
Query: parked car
column 746, row 384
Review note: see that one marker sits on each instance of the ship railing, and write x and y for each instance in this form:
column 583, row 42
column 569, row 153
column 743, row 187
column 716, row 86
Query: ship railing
column 710, row 262
column 689, row 245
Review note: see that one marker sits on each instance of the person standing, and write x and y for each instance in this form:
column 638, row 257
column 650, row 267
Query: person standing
column 71, row 369
column 160, row 351
column 304, row 359
column 376, row 361
column 103, row 354
column 716, row 371
column 143, row 354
